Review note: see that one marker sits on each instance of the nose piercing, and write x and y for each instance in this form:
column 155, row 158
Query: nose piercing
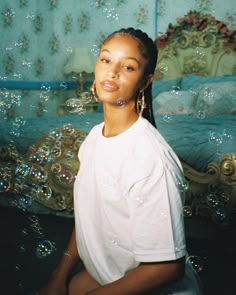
column 113, row 75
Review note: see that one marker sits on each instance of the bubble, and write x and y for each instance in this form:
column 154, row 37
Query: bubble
column 63, row 86
column 95, row 50
column 54, row 133
column 44, row 192
column 227, row 135
column 44, row 249
column 219, row 215
column 38, row 174
column 5, row 185
column 68, row 129
column 167, row 118
column 196, row 262
column 22, row 169
column 200, row 114
column 24, row 232
column 65, row 176
column 111, row 14
column 187, row 211
column 215, row 138
column 175, row 90
column 74, row 105
column 207, row 94
column 182, row 184
column 24, row 202
column 212, row 200
column 26, row 63
column 224, row 197
column 46, row 87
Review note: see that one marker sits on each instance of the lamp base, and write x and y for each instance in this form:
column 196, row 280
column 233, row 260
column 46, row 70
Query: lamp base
column 83, row 103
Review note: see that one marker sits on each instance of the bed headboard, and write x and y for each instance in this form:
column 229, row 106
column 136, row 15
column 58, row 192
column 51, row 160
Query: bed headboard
column 198, row 44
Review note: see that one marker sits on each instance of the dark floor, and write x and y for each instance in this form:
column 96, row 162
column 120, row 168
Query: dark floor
column 22, row 272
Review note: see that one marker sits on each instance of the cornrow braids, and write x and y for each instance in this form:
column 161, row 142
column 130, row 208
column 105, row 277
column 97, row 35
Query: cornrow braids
column 149, row 51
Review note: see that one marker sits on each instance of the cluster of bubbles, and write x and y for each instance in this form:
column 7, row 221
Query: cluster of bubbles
column 32, row 240
column 50, row 163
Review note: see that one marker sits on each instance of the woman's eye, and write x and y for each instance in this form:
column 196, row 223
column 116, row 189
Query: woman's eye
column 104, row 60
column 128, row 68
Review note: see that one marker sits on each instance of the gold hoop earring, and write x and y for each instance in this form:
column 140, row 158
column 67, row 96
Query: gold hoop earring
column 140, row 104
column 94, row 93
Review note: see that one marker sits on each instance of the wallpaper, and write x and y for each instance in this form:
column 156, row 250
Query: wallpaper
column 37, row 37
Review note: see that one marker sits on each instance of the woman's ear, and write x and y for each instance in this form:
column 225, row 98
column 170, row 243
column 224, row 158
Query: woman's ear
column 148, row 80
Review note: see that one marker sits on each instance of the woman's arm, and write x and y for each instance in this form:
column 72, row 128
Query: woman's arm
column 58, row 281
column 148, row 278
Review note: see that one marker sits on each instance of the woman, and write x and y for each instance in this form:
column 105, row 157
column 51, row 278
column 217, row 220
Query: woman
column 129, row 230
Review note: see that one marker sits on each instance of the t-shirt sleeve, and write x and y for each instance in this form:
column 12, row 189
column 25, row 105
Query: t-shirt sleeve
column 157, row 225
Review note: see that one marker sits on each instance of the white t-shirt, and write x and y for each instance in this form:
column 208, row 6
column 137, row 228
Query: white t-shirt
column 128, row 208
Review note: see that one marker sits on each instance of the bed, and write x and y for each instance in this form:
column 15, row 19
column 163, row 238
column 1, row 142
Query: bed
column 194, row 98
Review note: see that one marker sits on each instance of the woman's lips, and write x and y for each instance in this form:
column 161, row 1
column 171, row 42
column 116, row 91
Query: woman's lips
column 109, row 86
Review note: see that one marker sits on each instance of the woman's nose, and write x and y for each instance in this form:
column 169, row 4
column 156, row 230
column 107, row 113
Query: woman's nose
column 113, row 73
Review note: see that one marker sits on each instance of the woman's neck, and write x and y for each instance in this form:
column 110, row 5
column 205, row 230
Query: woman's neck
column 118, row 120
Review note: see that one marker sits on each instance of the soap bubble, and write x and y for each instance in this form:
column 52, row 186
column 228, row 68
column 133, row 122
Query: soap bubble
column 212, row 200
column 196, row 262
column 215, row 138
column 44, row 249
column 227, row 135
column 24, row 202
column 219, row 215
column 187, row 211
column 4, row 185
column 182, row 184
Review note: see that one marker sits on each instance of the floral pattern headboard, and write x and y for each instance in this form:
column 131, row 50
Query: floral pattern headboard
column 197, row 44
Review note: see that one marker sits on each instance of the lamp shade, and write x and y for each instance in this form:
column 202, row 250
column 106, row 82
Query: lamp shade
column 79, row 61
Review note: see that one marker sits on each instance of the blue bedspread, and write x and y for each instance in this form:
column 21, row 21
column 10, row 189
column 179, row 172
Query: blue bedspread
column 196, row 141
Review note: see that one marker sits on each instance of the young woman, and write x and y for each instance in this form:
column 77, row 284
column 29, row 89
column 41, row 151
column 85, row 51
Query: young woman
column 129, row 228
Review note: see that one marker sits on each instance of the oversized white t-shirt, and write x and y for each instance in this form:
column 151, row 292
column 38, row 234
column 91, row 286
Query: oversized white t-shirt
column 128, row 206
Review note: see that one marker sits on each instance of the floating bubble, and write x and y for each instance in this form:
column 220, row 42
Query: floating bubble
column 227, row 135
column 22, row 169
column 207, row 94
column 212, row 200
column 54, row 133
column 187, row 211
column 5, row 185
column 26, row 63
column 111, row 14
column 224, row 197
column 182, row 184
column 68, row 129
column 196, row 262
column 46, row 87
column 200, row 114
column 74, row 105
column 38, row 173
column 24, row 232
column 44, row 192
column 44, row 249
column 215, row 138
column 63, row 86
column 65, row 176
column 167, row 118
column 95, row 50
column 219, row 215
column 24, row 202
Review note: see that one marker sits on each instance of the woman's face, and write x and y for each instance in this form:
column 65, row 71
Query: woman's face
column 119, row 70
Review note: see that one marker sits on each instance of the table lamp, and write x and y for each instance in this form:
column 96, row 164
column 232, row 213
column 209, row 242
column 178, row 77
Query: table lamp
column 81, row 64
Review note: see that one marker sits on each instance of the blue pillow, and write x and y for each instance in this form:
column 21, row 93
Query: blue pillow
column 159, row 86
column 193, row 81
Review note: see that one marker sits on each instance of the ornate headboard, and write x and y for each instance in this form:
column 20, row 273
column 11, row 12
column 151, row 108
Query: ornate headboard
column 198, row 44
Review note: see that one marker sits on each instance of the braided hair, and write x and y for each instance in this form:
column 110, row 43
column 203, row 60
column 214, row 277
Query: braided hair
column 149, row 51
